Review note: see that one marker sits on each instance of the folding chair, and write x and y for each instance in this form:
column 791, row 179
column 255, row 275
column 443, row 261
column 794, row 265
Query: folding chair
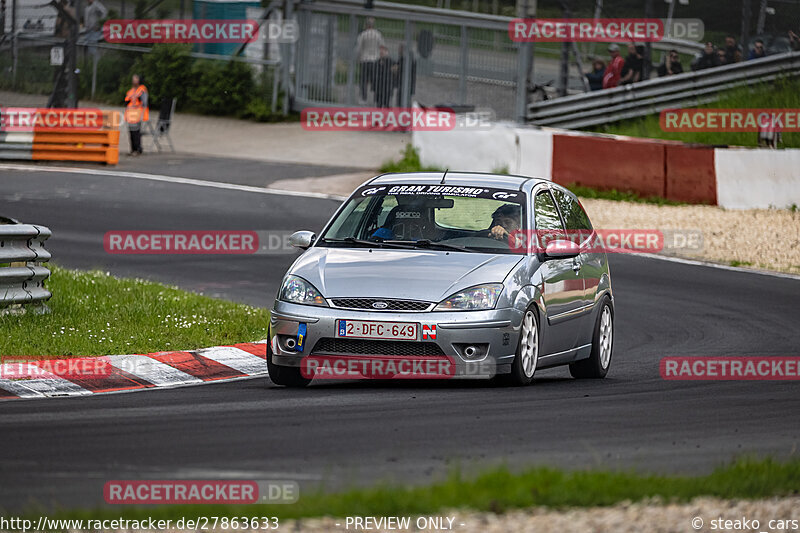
column 165, row 113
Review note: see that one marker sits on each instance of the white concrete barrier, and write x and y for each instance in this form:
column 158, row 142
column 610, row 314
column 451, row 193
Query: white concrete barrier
column 757, row 179
column 519, row 150
column 477, row 150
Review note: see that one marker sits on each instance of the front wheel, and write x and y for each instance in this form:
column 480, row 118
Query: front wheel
column 524, row 365
column 287, row 376
column 596, row 366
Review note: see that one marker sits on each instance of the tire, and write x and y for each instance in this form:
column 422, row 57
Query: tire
column 598, row 363
column 524, row 365
column 286, row 376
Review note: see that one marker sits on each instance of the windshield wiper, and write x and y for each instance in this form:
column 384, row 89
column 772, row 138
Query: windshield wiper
column 427, row 243
column 362, row 242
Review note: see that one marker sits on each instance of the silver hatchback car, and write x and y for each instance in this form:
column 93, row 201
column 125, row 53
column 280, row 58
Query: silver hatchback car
column 482, row 270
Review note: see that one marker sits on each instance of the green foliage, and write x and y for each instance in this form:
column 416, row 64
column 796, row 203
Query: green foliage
column 620, row 196
column 221, row 88
column 408, row 163
column 167, row 72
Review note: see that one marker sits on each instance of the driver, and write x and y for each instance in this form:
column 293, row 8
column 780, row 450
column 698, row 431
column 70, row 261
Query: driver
column 505, row 221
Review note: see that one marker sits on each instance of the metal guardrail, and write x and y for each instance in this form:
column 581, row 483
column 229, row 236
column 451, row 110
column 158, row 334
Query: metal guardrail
column 653, row 96
column 22, row 275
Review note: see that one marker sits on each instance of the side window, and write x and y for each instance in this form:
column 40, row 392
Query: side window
column 546, row 213
column 574, row 216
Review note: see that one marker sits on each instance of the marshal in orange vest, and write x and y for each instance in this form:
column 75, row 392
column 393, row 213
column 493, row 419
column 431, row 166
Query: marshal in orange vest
column 136, row 109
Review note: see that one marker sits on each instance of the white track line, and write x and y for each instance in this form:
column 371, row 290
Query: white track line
column 279, row 192
column 171, row 179
column 696, row 262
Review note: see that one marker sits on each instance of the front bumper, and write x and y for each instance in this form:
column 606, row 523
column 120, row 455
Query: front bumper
column 497, row 330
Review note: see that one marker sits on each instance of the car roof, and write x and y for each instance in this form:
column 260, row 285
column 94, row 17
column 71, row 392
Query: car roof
column 473, row 179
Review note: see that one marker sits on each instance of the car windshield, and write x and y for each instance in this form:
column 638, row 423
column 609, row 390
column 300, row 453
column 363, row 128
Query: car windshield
column 446, row 217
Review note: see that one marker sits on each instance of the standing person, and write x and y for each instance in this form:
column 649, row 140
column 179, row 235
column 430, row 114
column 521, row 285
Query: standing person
column 672, row 65
column 758, row 50
column 94, row 13
column 595, row 77
column 721, row 58
column 368, row 51
column 614, row 70
column 136, row 112
column 383, row 78
column 634, row 63
column 733, row 52
column 400, row 69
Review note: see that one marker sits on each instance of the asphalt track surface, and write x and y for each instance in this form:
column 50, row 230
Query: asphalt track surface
column 62, row 451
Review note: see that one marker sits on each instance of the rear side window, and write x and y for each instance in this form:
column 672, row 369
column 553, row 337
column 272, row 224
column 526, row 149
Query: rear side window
column 546, row 213
column 574, row 216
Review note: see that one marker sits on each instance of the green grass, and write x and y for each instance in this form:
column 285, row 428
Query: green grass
column 499, row 490
column 778, row 94
column 620, row 196
column 97, row 314
column 408, row 163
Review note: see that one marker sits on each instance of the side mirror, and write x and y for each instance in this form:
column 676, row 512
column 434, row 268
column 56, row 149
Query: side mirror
column 561, row 249
column 302, row 239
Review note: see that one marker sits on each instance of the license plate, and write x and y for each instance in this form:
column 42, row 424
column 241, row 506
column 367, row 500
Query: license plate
column 367, row 329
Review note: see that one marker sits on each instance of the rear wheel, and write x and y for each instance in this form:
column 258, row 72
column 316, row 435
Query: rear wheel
column 524, row 365
column 598, row 363
column 287, row 376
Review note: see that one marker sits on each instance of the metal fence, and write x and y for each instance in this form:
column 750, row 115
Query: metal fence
column 22, row 274
column 456, row 58
column 653, row 96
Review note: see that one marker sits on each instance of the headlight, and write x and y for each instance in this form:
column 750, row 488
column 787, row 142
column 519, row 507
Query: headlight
column 298, row 291
column 475, row 298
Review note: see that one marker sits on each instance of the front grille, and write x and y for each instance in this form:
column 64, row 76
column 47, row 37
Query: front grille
column 391, row 305
column 330, row 345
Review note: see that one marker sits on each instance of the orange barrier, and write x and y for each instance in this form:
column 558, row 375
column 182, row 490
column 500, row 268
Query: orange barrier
column 76, row 145
column 97, row 141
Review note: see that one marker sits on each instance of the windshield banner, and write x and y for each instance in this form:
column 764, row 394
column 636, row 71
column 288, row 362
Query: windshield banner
column 505, row 195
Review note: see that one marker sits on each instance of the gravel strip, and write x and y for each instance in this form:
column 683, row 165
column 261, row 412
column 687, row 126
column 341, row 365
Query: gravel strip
column 652, row 516
column 767, row 239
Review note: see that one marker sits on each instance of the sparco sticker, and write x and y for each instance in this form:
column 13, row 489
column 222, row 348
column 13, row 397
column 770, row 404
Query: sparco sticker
column 506, row 195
